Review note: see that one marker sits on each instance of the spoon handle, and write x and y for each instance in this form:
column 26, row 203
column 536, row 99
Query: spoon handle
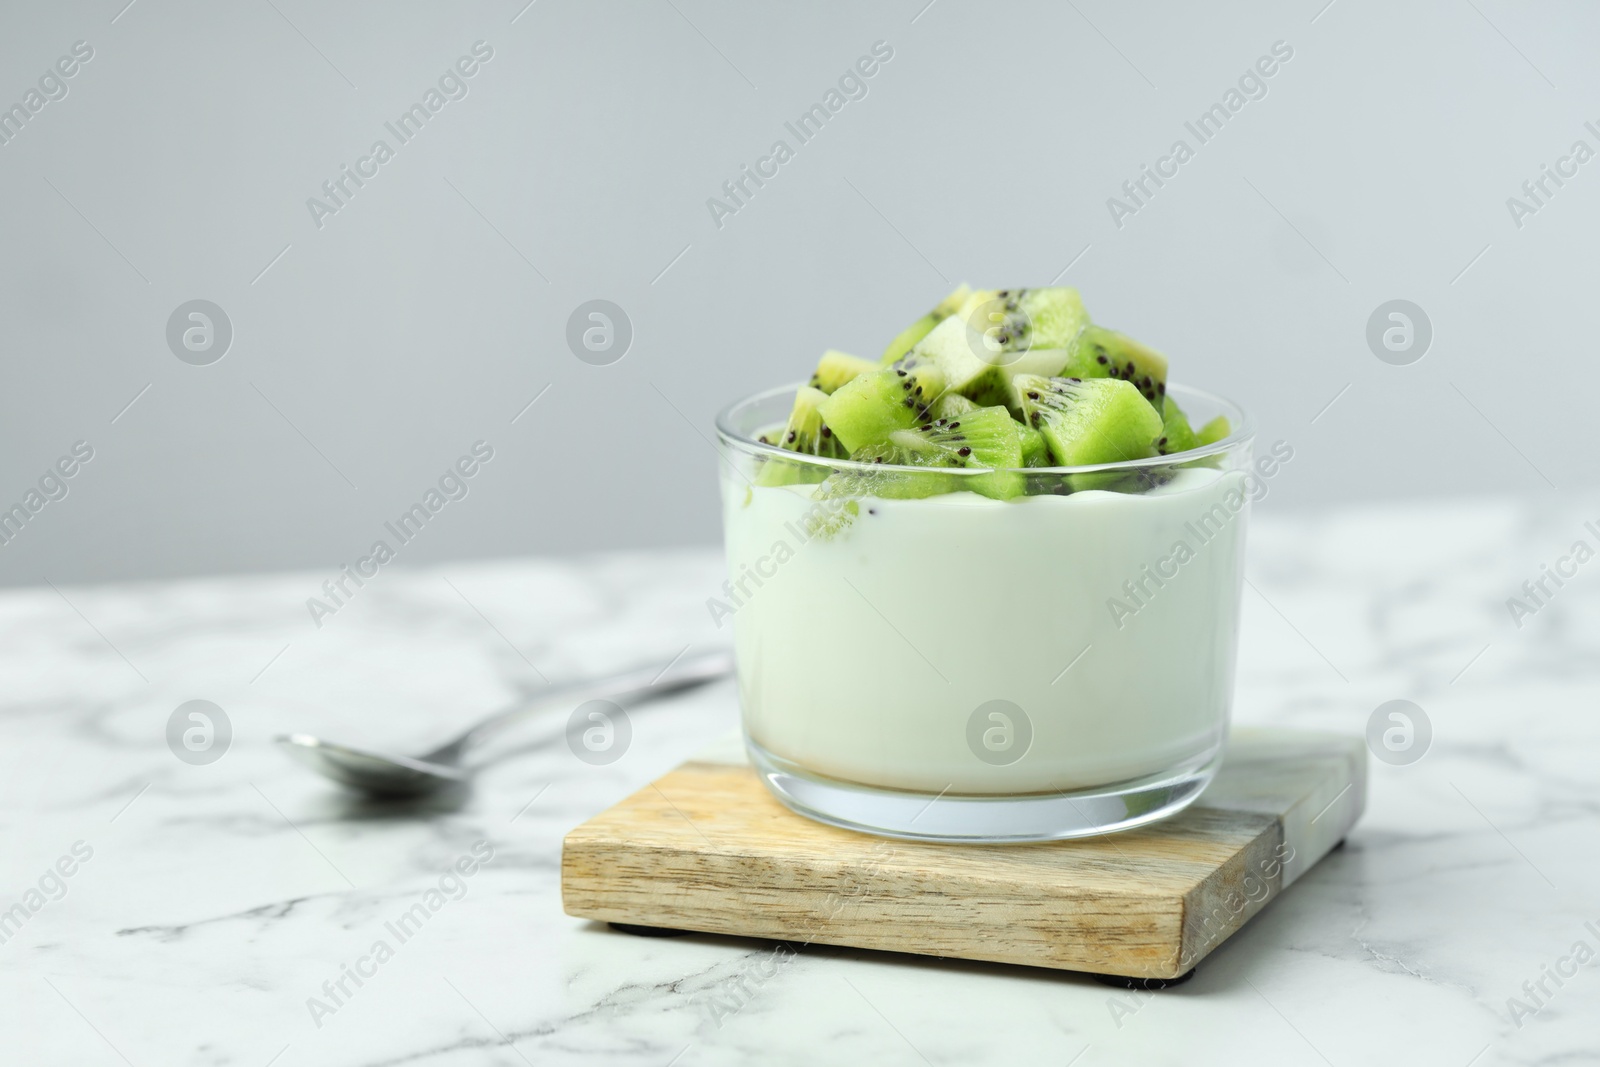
column 629, row 687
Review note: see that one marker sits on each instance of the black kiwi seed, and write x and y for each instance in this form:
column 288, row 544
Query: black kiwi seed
column 908, row 403
column 1101, row 358
column 954, row 425
column 963, row 451
column 1161, row 388
column 918, row 390
column 1161, row 441
column 827, row 432
column 791, row 436
column 900, row 372
column 763, row 439
column 1033, row 394
column 872, row 511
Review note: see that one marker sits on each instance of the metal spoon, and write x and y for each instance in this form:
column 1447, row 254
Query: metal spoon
column 382, row 774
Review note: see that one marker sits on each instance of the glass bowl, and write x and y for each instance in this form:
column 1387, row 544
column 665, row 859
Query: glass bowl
column 918, row 658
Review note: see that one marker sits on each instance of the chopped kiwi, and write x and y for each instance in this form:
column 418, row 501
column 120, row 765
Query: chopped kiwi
column 983, row 437
column 841, row 493
column 1103, row 353
column 1035, row 453
column 1085, row 422
column 868, row 408
column 995, row 386
column 950, row 405
column 805, row 432
column 1176, row 434
column 979, row 438
column 1016, row 320
column 1214, row 431
column 892, row 484
column 835, row 368
column 907, row 338
column 982, row 387
column 999, row 333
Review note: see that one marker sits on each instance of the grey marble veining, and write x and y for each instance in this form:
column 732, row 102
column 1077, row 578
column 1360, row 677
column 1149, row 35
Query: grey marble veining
column 217, row 900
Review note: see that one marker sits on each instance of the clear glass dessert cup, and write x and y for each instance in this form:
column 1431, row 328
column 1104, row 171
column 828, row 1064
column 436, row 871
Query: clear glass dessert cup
column 976, row 665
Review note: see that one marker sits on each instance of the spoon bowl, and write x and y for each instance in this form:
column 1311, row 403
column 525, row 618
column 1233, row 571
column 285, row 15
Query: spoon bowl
column 377, row 773
column 381, row 774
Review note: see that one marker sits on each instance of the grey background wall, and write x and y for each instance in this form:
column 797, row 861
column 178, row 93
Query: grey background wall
column 371, row 351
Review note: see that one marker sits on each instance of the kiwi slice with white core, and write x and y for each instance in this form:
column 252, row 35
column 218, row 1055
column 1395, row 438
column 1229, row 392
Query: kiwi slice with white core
column 907, row 338
column 806, row 433
column 1176, row 433
column 951, row 405
column 1088, row 421
column 983, row 437
column 867, row 409
column 1015, row 320
column 1000, row 333
column 1103, row 353
column 836, row 368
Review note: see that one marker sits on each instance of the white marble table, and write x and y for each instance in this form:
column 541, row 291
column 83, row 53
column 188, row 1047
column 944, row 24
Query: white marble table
column 216, row 900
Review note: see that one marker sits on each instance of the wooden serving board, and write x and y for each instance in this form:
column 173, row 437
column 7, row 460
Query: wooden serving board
column 707, row 848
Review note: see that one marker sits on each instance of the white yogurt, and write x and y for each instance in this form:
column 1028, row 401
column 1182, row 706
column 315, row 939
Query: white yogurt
column 1109, row 619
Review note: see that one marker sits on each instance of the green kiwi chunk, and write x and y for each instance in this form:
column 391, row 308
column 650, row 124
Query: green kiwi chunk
column 1088, row 421
column 836, row 368
column 951, row 405
column 1176, row 433
column 907, row 338
column 983, row 437
column 994, row 387
column 1214, row 431
column 1000, row 333
column 806, row 433
column 867, row 409
column 1035, row 452
column 979, row 438
column 892, row 484
column 1103, row 353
